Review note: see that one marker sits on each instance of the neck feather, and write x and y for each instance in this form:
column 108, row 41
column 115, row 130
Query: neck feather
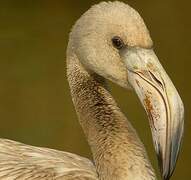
column 117, row 151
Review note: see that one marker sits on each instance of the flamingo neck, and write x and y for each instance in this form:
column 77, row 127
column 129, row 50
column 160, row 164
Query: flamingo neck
column 117, row 151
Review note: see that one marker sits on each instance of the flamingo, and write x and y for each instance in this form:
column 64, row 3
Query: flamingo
column 109, row 42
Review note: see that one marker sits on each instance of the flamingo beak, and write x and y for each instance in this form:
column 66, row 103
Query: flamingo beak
column 161, row 101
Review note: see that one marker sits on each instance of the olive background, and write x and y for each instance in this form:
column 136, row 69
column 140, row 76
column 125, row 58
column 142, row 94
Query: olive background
column 35, row 103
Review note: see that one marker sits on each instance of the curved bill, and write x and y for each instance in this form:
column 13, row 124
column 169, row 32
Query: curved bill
column 161, row 102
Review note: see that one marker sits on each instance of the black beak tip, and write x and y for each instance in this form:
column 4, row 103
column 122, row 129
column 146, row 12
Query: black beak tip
column 166, row 178
column 165, row 174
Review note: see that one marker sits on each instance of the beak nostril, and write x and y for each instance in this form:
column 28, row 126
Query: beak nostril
column 156, row 80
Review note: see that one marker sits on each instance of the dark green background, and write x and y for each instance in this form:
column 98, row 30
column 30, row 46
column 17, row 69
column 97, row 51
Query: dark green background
column 35, row 104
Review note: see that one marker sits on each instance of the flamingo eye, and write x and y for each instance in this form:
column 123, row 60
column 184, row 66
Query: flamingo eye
column 117, row 42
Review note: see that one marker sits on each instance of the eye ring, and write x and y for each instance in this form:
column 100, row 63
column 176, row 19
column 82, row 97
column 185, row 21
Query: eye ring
column 117, row 42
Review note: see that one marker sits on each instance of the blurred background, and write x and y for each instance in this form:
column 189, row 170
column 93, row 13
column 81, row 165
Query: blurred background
column 35, row 103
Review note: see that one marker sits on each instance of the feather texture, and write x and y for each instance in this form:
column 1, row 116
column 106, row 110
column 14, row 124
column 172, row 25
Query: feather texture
column 20, row 161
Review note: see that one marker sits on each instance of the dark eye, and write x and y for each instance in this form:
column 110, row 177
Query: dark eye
column 117, row 42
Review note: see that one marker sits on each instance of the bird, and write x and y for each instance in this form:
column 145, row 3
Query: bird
column 110, row 41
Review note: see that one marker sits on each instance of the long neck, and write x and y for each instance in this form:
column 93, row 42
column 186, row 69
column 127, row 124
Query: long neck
column 117, row 151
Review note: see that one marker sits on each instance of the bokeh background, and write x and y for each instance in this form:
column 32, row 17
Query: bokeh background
column 35, row 103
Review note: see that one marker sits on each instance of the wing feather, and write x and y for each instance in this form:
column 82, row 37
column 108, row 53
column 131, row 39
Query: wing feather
column 24, row 162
